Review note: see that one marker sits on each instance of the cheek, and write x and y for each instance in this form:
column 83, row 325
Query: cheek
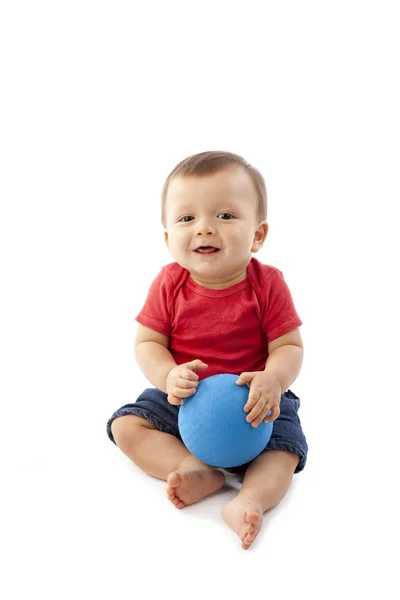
column 179, row 240
column 240, row 235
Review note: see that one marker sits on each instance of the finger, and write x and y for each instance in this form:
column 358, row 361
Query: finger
column 185, row 384
column 177, row 400
column 196, row 364
column 251, row 400
column 275, row 412
column 172, row 399
column 256, row 411
column 245, row 378
column 182, row 393
column 265, row 411
column 191, row 375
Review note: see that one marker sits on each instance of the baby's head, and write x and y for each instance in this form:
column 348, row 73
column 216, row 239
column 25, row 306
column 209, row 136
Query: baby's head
column 214, row 200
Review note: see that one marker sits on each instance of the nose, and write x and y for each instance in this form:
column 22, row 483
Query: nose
column 204, row 227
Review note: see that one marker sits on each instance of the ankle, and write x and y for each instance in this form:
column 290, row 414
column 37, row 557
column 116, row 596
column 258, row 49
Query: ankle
column 251, row 497
column 191, row 462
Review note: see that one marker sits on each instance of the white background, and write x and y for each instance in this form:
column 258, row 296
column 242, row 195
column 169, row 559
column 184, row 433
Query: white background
column 99, row 101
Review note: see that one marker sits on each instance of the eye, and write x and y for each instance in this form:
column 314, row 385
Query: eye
column 182, row 220
column 227, row 216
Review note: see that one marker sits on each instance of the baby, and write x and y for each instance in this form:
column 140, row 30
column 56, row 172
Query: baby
column 216, row 309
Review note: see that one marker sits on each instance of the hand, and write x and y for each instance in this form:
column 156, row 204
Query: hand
column 182, row 381
column 265, row 396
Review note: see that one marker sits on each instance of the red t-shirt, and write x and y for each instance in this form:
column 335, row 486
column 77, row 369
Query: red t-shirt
column 228, row 329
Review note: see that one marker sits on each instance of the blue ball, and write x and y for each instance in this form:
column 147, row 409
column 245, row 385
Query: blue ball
column 213, row 426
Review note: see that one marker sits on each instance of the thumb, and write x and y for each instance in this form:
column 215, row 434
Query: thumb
column 196, row 364
column 244, row 378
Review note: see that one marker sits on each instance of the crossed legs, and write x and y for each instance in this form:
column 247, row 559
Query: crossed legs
column 163, row 456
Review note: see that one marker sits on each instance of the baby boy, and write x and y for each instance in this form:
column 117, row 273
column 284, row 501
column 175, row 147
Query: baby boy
column 216, row 309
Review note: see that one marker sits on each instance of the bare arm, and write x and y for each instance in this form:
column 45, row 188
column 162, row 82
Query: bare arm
column 153, row 356
column 285, row 358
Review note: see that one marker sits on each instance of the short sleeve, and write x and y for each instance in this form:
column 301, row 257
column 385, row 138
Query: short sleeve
column 279, row 315
column 156, row 312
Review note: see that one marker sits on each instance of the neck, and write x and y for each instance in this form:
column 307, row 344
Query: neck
column 222, row 283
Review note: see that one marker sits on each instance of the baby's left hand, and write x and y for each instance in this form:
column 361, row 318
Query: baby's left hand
column 265, row 396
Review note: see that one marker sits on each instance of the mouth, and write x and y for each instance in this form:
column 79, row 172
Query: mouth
column 207, row 250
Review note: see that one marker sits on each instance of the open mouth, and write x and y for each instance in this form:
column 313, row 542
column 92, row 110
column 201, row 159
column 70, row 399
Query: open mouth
column 207, row 250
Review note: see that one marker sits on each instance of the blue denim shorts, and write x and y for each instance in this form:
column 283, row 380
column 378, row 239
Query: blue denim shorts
column 287, row 433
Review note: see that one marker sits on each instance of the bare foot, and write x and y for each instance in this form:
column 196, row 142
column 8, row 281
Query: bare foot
column 189, row 485
column 245, row 518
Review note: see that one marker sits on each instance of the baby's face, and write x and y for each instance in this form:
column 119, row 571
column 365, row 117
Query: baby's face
column 218, row 211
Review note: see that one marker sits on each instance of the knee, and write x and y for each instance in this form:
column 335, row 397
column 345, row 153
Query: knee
column 128, row 430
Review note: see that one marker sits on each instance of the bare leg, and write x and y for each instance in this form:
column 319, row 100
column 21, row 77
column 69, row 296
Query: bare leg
column 163, row 456
column 265, row 483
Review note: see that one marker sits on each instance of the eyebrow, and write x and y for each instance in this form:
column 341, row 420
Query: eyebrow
column 225, row 206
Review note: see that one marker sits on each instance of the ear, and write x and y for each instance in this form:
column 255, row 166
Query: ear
column 166, row 238
column 259, row 236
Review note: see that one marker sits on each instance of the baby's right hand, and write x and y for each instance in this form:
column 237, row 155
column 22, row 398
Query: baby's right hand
column 182, row 381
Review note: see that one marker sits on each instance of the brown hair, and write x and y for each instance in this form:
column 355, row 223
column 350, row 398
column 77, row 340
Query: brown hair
column 209, row 162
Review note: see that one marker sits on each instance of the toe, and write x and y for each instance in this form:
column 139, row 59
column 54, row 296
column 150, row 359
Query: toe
column 173, row 480
column 253, row 518
column 250, row 528
column 248, row 540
